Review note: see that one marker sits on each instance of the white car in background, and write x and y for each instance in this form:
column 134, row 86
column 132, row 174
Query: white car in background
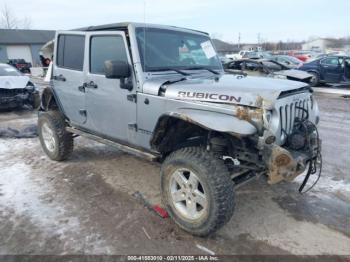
column 16, row 89
column 238, row 55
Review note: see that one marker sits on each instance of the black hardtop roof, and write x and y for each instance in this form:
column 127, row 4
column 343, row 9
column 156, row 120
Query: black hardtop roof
column 124, row 26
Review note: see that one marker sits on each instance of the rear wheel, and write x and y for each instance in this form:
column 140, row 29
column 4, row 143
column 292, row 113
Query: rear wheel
column 56, row 142
column 197, row 190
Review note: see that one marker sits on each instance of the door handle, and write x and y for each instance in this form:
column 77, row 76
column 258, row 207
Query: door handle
column 59, row 78
column 81, row 88
column 91, row 84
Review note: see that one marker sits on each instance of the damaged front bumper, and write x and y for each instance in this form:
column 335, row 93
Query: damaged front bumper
column 284, row 164
column 16, row 98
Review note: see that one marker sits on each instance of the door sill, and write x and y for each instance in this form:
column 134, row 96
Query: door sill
column 128, row 149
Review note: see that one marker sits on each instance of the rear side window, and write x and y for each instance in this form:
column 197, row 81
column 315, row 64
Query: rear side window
column 103, row 48
column 70, row 52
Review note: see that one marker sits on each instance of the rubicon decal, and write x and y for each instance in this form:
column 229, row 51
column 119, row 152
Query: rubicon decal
column 209, row 96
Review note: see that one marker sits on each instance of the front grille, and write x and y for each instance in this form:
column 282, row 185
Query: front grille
column 12, row 92
column 289, row 112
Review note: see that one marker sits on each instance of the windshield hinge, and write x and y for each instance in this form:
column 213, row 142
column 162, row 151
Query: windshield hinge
column 132, row 98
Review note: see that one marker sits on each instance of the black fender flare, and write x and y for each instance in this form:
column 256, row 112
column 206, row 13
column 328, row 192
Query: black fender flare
column 49, row 98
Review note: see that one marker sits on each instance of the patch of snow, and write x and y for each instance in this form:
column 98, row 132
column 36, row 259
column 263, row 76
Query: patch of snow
column 327, row 184
column 3, row 148
column 25, row 192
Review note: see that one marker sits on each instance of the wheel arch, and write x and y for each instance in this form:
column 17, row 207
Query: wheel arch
column 313, row 70
column 174, row 129
column 50, row 101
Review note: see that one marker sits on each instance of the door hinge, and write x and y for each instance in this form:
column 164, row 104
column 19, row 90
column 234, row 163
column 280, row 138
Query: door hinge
column 133, row 126
column 132, row 98
column 82, row 112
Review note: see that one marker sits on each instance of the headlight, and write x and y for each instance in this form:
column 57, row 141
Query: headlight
column 30, row 86
column 267, row 117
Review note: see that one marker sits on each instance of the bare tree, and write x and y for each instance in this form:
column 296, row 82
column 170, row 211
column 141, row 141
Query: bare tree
column 26, row 23
column 8, row 20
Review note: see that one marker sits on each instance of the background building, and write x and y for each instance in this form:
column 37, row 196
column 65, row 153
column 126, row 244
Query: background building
column 327, row 44
column 18, row 43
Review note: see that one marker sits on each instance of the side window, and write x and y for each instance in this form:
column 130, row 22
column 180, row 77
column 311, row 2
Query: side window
column 272, row 66
column 330, row 61
column 70, row 52
column 103, row 48
column 251, row 66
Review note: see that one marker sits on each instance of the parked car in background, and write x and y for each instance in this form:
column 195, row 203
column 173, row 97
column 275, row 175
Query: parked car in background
column 301, row 55
column 267, row 68
column 21, row 65
column 16, row 89
column 289, row 61
column 257, row 55
column 225, row 60
column 322, row 55
column 329, row 69
column 238, row 55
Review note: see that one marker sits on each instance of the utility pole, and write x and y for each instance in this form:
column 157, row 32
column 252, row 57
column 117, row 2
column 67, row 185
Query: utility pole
column 259, row 40
column 239, row 40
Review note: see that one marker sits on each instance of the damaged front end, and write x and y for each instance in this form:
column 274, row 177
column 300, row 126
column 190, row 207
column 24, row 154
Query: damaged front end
column 301, row 151
column 17, row 97
column 287, row 142
column 290, row 145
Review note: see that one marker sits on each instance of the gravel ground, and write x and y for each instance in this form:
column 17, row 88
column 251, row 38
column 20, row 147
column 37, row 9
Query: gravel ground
column 87, row 204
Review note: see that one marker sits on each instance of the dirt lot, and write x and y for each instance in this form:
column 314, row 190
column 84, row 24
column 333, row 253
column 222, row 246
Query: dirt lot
column 88, row 205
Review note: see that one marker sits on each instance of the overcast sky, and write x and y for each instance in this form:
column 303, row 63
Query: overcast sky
column 273, row 19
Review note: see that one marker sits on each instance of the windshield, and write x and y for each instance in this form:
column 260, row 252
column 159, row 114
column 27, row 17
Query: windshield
column 6, row 70
column 163, row 49
column 293, row 60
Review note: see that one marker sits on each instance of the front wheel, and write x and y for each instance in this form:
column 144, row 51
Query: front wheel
column 56, row 142
column 315, row 79
column 197, row 190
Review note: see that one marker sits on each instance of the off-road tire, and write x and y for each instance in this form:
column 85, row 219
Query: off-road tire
column 216, row 179
column 316, row 78
column 63, row 139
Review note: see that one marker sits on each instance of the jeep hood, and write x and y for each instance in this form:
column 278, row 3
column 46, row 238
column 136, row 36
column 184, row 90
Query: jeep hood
column 227, row 89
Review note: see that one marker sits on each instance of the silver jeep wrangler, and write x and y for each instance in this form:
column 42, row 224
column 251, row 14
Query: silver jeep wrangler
column 160, row 92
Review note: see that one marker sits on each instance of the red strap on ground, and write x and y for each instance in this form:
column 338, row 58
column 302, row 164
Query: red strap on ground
column 160, row 211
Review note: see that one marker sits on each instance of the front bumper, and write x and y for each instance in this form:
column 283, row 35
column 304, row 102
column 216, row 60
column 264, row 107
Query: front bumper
column 284, row 164
column 14, row 98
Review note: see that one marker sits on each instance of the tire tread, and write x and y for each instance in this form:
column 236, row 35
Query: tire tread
column 65, row 139
column 219, row 179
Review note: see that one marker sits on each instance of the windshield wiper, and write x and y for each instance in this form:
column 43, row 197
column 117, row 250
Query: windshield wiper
column 170, row 69
column 203, row 68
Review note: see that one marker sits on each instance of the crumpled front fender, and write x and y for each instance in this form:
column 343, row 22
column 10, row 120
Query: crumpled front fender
column 215, row 121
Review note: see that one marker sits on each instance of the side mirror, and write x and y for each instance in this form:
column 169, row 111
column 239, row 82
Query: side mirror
column 116, row 69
